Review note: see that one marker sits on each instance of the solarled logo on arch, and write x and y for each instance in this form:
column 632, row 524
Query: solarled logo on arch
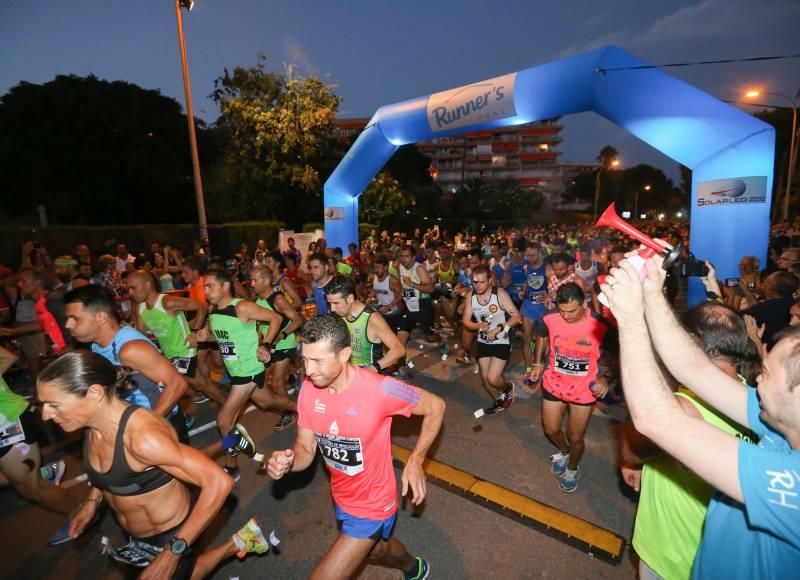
column 472, row 104
column 732, row 191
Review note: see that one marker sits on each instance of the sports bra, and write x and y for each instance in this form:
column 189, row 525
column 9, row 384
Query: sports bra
column 120, row 479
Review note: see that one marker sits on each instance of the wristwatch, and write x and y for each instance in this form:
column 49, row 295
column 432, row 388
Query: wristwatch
column 178, row 546
column 377, row 366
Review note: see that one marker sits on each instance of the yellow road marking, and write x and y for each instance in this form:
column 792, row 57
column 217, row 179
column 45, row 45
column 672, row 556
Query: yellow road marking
column 574, row 530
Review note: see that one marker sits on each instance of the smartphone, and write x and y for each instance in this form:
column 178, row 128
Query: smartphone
column 732, row 282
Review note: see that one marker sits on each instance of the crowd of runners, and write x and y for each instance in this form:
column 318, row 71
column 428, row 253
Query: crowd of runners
column 118, row 344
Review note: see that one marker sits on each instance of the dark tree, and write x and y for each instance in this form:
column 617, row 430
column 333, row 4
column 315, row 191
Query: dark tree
column 94, row 152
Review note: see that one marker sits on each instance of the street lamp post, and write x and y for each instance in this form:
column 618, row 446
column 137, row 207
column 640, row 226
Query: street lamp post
column 636, row 201
column 612, row 163
column 792, row 158
column 198, row 182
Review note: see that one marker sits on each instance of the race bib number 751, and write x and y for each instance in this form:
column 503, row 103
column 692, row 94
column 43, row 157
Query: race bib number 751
column 576, row 367
column 342, row 453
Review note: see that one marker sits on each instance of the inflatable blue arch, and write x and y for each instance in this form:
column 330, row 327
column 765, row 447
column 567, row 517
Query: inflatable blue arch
column 729, row 152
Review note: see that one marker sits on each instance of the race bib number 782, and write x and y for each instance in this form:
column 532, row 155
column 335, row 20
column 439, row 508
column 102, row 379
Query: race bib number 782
column 342, row 453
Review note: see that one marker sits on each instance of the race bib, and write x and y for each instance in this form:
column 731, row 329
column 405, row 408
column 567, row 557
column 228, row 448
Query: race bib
column 11, row 433
column 342, row 453
column 537, row 298
column 182, row 364
column 411, row 298
column 227, row 348
column 576, row 367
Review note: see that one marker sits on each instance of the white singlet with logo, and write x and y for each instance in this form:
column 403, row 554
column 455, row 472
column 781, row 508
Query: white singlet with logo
column 492, row 313
column 410, row 294
column 383, row 290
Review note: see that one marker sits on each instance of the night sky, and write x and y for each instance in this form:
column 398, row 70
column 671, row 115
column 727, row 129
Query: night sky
column 380, row 52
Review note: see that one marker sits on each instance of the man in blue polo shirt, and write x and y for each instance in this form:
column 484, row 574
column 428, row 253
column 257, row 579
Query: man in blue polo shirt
column 752, row 528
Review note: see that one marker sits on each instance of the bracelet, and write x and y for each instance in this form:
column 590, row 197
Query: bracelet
column 377, row 366
column 539, row 365
column 97, row 502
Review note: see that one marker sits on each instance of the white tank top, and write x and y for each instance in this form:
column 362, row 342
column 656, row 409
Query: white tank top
column 410, row 295
column 383, row 291
column 589, row 275
column 492, row 313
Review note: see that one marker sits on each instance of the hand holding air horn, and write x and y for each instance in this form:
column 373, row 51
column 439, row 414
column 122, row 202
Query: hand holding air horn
column 611, row 219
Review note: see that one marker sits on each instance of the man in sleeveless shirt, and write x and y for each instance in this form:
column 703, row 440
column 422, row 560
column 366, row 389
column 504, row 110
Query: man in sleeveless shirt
column 490, row 312
column 372, row 342
column 533, row 302
column 386, row 291
column 232, row 323
column 285, row 349
column 417, row 289
column 164, row 315
column 346, row 412
column 575, row 336
column 92, row 318
column 318, row 268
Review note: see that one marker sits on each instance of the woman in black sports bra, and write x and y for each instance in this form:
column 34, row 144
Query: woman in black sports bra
column 135, row 462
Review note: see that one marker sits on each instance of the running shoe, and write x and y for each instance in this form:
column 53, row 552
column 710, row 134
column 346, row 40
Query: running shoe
column 558, row 463
column 294, row 383
column 569, row 480
column 242, row 443
column 135, row 553
column 189, row 422
column 287, row 419
column 233, row 472
column 53, row 472
column 250, row 540
column 200, row 398
column 507, row 399
column 62, row 535
column 420, row 571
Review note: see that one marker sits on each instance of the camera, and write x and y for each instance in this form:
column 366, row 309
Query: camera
column 693, row 267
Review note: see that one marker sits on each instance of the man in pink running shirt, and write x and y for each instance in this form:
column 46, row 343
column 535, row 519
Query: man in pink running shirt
column 346, row 412
column 575, row 336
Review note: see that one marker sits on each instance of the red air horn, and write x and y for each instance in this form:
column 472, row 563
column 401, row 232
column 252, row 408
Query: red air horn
column 611, row 219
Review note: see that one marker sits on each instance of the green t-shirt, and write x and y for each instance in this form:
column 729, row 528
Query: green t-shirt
column 673, row 502
column 365, row 352
column 288, row 343
column 170, row 331
column 11, row 404
column 237, row 342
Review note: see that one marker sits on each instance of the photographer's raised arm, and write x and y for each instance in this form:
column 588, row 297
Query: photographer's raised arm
column 683, row 357
column 703, row 448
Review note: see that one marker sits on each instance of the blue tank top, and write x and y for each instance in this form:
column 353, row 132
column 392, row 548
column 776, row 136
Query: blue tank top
column 464, row 279
column 319, row 299
column 147, row 392
column 536, row 279
column 519, row 278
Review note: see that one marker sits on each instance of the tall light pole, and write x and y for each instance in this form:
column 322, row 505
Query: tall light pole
column 187, row 89
column 792, row 158
column 613, row 163
column 636, row 202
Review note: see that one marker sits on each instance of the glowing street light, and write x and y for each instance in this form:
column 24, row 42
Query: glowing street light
column 792, row 160
column 612, row 164
column 679, row 215
column 636, row 200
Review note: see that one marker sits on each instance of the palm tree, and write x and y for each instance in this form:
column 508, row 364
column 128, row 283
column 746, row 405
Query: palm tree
column 607, row 158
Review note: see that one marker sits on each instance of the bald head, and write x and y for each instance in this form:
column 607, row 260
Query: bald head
column 141, row 285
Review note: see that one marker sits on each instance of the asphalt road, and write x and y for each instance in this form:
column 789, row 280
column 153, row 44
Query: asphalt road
column 460, row 538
